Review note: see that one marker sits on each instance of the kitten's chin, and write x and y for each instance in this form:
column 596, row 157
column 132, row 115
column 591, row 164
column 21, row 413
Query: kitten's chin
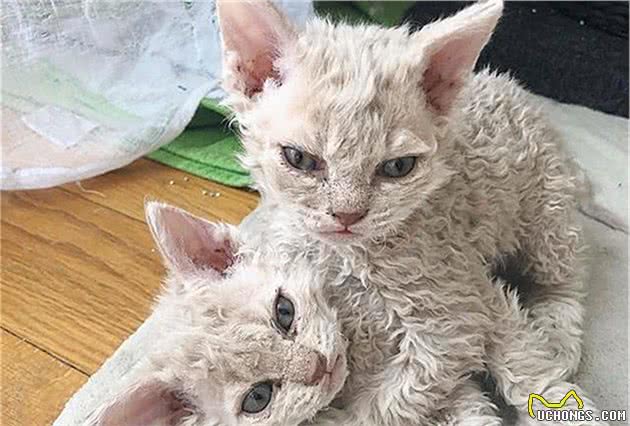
column 338, row 237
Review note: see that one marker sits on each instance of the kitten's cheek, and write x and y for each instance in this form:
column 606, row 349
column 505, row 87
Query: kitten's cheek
column 310, row 223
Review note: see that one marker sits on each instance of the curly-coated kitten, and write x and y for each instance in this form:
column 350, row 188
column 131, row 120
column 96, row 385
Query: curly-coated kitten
column 243, row 339
column 381, row 151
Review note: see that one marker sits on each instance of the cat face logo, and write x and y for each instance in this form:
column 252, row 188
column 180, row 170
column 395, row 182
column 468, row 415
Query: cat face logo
column 553, row 405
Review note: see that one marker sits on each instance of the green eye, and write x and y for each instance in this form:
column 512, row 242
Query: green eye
column 258, row 398
column 398, row 167
column 300, row 159
column 284, row 312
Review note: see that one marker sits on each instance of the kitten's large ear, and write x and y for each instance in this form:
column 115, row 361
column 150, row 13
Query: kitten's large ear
column 253, row 34
column 150, row 402
column 451, row 48
column 189, row 244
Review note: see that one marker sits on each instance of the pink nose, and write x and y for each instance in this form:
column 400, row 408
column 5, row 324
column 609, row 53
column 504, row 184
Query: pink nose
column 318, row 369
column 347, row 219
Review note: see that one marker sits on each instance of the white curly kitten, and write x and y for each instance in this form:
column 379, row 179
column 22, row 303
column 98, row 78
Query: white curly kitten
column 379, row 151
column 243, row 340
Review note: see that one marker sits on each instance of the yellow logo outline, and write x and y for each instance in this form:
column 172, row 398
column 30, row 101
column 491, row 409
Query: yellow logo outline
column 553, row 405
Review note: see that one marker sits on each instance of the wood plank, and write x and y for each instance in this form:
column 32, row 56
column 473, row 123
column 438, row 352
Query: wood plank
column 126, row 189
column 34, row 385
column 77, row 278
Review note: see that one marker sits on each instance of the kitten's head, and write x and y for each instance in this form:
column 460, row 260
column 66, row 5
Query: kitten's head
column 245, row 339
column 348, row 126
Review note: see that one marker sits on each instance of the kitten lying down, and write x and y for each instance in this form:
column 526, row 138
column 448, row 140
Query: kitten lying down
column 248, row 338
column 245, row 340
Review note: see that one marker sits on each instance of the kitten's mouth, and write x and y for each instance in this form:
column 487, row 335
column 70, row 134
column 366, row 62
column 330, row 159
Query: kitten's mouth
column 339, row 233
column 332, row 369
column 335, row 375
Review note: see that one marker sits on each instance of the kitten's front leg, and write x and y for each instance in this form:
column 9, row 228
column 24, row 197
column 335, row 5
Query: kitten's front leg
column 469, row 406
column 399, row 397
column 415, row 383
column 521, row 364
column 331, row 416
column 550, row 245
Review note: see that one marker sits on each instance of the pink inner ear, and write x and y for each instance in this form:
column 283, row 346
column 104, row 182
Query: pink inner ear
column 447, row 72
column 218, row 257
column 254, row 68
column 189, row 243
column 151, row 403
column 254, row 32
column 451, row 48
column 199, row 242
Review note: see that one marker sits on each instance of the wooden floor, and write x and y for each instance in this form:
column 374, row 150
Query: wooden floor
column 79, row 274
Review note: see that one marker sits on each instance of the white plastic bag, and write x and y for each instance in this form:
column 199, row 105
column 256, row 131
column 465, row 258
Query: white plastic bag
column 90, row 85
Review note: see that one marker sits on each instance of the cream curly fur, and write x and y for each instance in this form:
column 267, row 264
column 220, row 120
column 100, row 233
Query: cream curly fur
column 489, row 182
column 217, row 339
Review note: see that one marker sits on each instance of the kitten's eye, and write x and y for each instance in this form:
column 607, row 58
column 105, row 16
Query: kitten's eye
column 285, row 312
column 258, row 398
column 398, row 167
column 300, row 159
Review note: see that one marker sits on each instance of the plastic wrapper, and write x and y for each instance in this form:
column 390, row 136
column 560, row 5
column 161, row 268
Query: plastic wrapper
column 90, row 85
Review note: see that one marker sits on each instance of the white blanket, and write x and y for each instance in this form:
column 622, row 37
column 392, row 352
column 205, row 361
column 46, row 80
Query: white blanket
column 599, row 143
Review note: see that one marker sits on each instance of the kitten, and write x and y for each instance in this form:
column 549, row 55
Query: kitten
column 380, row 152
column 245, row 339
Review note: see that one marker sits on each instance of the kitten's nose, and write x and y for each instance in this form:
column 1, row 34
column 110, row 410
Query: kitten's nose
column 347, row 219
column 318, row 369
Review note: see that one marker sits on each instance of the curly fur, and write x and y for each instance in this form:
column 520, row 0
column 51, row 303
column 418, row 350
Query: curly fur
column 217, row 339
column 490, row 182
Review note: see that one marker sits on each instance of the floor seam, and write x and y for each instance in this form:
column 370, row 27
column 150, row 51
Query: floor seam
column 46, row 351
column 67, row 191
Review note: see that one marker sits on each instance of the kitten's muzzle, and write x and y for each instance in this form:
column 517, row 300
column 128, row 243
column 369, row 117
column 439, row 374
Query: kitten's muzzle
column 306, row 366
column 349, row 219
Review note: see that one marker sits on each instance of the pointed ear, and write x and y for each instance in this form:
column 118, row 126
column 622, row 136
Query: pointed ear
column 190, row 244
column 150, row 402
column 253, row 33
column 451, row 48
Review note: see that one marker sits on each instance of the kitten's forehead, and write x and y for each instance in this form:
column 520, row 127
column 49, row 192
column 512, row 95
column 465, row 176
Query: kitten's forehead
column 341, row 98
column 344, row 54
column 248, row 294
column 267, row 273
